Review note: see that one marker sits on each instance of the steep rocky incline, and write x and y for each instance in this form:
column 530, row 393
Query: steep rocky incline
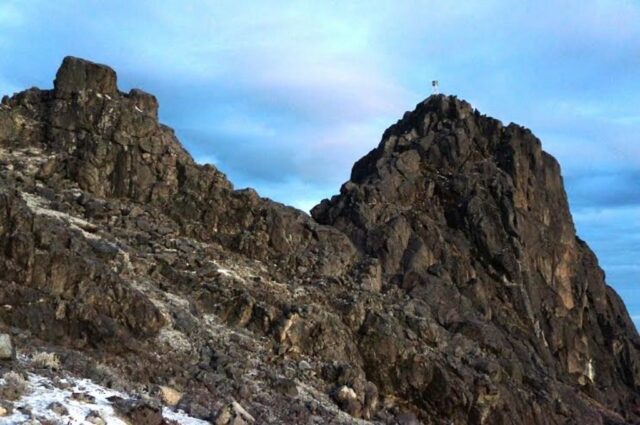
column 456, row 206
column 111, row 145
column 123, row 254
column 445, row 284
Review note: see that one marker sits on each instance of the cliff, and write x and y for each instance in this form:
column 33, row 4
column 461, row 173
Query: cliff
column 444, row 284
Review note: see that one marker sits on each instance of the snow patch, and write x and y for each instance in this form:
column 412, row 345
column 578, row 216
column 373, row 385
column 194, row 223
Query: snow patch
column 181, row 417
column 230, row 273
column 591, row 370
column 42, row 392
column 225, row 272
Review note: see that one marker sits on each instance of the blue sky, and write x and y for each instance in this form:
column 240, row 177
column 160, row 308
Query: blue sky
column 285, row 96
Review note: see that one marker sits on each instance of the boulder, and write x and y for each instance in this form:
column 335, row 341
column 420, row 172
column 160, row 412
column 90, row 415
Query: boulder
column 234, row 414
column 76, row 75
column 169, row 396
column 7, row 350
column 140, row 411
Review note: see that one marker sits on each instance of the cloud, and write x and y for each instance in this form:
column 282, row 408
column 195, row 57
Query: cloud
column 612, row 188
column 241, row 152
column 303, row 155
column 614, row 234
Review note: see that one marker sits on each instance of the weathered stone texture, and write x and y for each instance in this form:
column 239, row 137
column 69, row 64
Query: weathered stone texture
column 444, row 284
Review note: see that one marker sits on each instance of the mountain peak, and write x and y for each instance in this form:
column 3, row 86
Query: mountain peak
column 76, row 75
column 454, row 206
column 446, row 105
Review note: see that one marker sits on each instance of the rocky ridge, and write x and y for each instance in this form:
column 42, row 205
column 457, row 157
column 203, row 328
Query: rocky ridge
column 444, row 284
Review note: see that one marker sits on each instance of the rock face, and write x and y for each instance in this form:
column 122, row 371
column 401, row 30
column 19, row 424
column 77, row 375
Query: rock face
column 75, row 76
column 444, row 284
column 471, row 218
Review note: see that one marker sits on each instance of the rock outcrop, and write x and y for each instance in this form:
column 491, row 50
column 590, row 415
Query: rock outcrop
column 444, row 284
column 471, row 218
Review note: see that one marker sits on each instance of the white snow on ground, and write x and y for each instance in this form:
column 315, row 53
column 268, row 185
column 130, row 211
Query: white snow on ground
column 182, row 418
column 225, row 272
column 42, row 392
column 230, row 273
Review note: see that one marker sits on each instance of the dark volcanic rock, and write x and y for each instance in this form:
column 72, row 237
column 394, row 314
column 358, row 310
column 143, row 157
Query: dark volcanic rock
column 140, row 412
column 471, row 218
column 111, row 145
column 77, row 75
column 445, row 284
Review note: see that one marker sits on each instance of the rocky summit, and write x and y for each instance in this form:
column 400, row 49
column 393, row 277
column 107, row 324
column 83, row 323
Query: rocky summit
column 444, row 284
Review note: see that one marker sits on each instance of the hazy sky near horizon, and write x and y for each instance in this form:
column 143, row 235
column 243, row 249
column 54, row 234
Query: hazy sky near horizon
column 285, row 96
